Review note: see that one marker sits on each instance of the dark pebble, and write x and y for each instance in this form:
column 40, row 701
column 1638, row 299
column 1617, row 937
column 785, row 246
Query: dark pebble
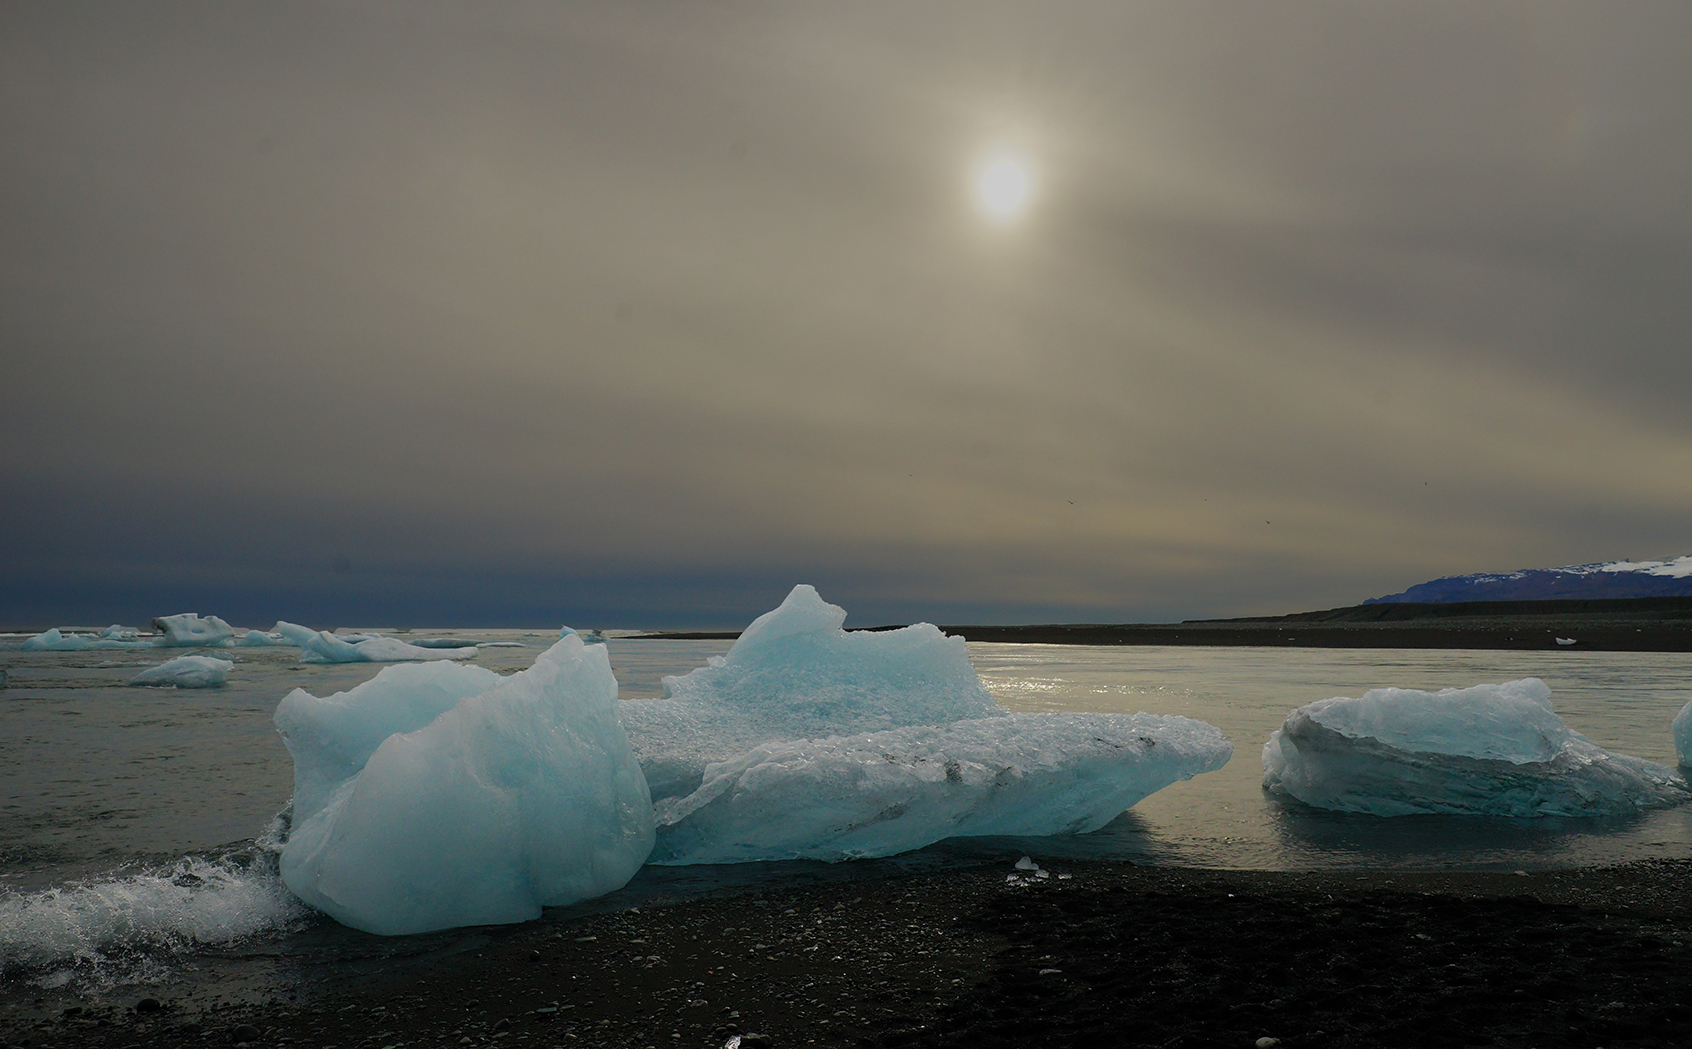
column 756, row 1041
column 534, row 956
column 245, row 1033
column 148, row 1005
column 502, row 1025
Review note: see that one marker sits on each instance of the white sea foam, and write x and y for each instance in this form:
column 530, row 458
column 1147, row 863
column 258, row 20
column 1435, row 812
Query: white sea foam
column 109, row 928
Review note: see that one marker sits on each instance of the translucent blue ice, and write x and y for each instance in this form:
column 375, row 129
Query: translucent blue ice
column 437, row 795
column 883, row 793
column 793, row 674
column 1494, row 750
column 808, row 741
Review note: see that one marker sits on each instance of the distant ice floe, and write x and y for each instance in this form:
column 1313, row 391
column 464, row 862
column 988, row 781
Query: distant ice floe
column 263, row 639
column 806, row 741
column 320, row 646
column 189, row 630
column 437, row 795
column 186, row 672
column 888, row 792
column 1492, row 750
column 59, row 640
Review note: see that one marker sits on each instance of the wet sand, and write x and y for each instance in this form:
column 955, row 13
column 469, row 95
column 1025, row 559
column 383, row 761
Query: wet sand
column 1091, row 954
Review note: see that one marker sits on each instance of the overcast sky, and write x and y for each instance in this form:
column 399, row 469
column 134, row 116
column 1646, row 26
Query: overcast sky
column 638, row 313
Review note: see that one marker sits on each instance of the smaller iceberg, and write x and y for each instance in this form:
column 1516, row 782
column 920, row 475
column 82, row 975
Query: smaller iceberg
column 884, row 793
column 261, row 639
column 1488, row 750
column 435, row 795
column 119, row 632
column 57, row 640
column 1683, row 735
column 189, row 630
column 186, row 672
column 320, row 646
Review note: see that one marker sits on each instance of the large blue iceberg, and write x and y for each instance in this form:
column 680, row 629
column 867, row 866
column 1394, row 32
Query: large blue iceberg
column 807, row 741
column 1491, row 750
column 436, row 795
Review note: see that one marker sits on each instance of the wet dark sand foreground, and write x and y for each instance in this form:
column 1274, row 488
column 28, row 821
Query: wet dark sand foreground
column 1109, row 955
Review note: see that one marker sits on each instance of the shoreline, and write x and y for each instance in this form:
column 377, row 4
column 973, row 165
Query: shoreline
column 1647, row 624
column 1092, row 953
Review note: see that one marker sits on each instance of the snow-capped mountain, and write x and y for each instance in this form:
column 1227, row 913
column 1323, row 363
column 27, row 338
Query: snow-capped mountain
column 1668, row 578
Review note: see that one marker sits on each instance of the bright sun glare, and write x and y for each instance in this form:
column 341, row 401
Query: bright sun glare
column 1003, row 186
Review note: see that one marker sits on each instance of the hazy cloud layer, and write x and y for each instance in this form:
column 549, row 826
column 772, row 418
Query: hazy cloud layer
column 637, row 313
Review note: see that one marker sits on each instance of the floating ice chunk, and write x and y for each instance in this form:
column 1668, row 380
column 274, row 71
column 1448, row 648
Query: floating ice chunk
column 888, row 792
column 795, row 674
column 1495, row 750
column 189, row 630
column 55, row 640
column 260, row 639
column 186, row 672
column 320, row 646
column 58, row 640
column 437, row 796
column 592, row 637
column 119, row 632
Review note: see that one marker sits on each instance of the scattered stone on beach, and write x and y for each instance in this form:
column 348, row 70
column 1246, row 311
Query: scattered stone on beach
column 148, row 1005
column 244, row 1033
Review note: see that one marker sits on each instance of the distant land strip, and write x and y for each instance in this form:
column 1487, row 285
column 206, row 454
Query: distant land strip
column 1646, row 624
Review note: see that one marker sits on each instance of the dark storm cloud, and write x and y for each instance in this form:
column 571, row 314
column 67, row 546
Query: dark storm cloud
column 641, row 312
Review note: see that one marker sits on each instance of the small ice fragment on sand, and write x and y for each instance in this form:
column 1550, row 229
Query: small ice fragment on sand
column 1027, row 864
column 186, row 672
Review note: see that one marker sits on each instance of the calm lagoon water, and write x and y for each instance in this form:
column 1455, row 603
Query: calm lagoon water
column 128, row 816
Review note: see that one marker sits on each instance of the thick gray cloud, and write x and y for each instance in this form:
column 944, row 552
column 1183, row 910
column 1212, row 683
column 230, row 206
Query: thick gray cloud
column 644, row 311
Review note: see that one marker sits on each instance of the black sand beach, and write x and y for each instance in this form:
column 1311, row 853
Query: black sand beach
column 1090, row 954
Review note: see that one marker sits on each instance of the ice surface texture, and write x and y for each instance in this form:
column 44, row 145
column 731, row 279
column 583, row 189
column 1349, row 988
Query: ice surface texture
column 320, row 646
column 186, row 672
column 1683, row 734
column 436, row 795
column 887, row 792
column 1493, row 750
column 795, row 674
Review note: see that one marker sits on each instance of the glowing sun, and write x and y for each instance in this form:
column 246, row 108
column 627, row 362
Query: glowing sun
column 1004, row 184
